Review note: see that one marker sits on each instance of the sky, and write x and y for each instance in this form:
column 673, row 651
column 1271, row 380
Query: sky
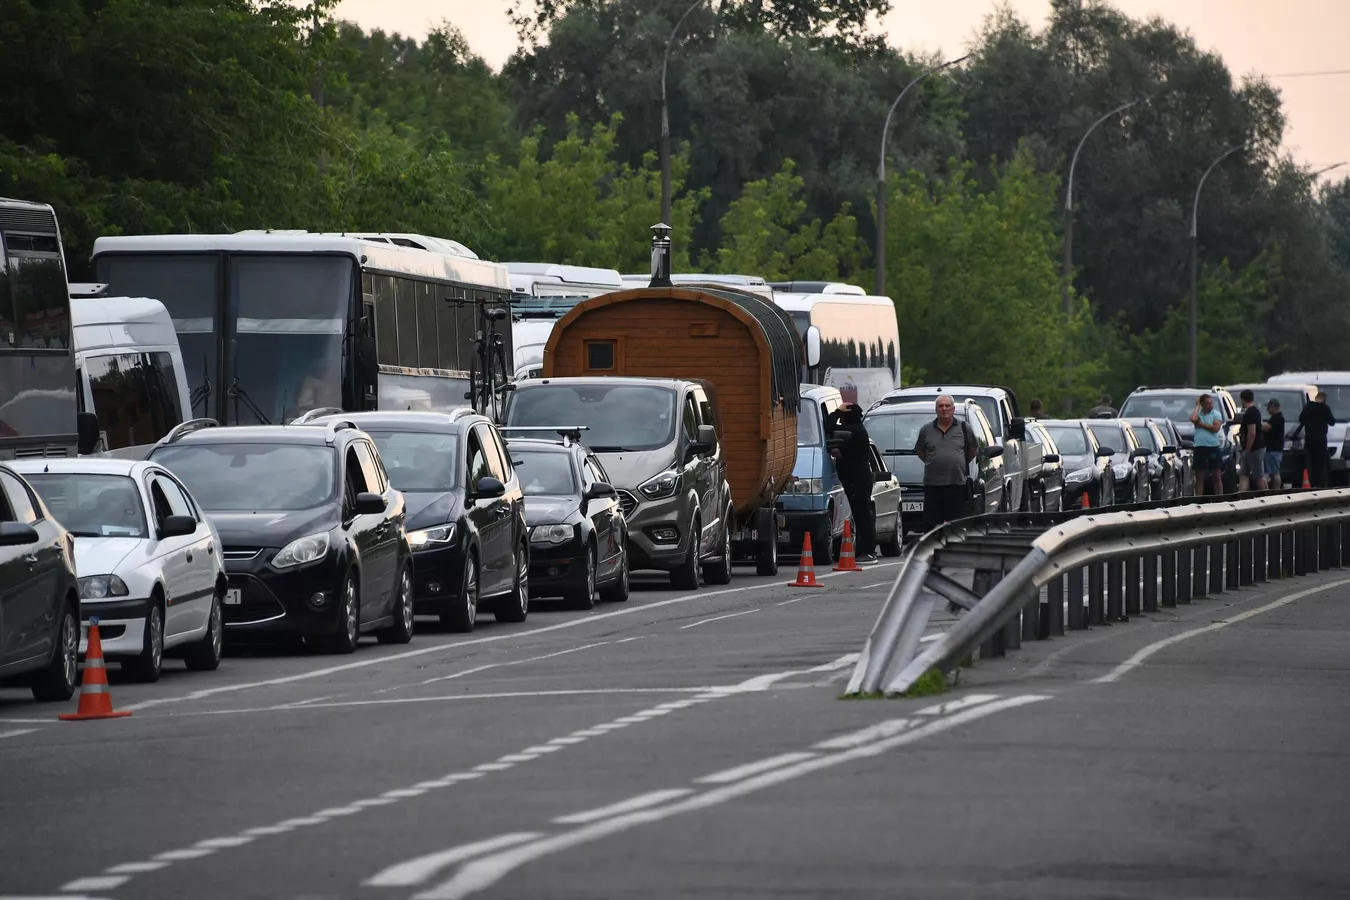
column 1269, row 37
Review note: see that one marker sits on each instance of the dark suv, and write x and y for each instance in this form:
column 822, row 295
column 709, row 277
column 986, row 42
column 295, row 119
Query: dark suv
column 312, row 532
column 1176, row 404
column 466, row 513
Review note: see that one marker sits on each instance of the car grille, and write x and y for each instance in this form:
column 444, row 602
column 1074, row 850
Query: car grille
column 627, row 502
column 257, row 603
column 240, row 554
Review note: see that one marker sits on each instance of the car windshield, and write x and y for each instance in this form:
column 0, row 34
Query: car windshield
column 987, row 405
column 1109, row 436
column 92, row 505
column 1145, row 436
column 418, row 462
column 1176, row 407
column 544, row 473
column 1070, row 440
column 618, row 416
column 808, row 424
column 896, row 431
column 249, row 477
column 1338, row 398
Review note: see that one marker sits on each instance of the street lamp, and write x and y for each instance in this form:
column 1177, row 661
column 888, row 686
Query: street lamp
column 1192, row 367
column 665, row 116
column 1324, row 170
column 880, row 282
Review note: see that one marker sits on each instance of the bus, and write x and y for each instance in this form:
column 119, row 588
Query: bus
column 544, row 292
column 859, row 337
column 273, row 324
column 39, row 412
column 750, row 284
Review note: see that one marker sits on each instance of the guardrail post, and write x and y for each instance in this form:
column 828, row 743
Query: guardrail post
column 1288, row 553
column 1151, row 583
column 1324, row 546
column 1185, row 578
column 1077, row 621
column 1133, row 568
column 1261, row 557
column 1246, row 550
column 1031, row 619
column 1314, row 545
column 1300, row 551
column 1233, row 564
column 1096, row 589
column 1199, row 571
column 1333, row 530
column 982, row 584
column 1052, row 618
column 1345, row 541
column 1169, row 578
column 1115, row 582
column 1216, row 568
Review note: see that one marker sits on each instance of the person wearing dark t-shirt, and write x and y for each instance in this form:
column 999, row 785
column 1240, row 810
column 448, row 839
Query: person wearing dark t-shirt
column 854, row 466
column 1253, row 446
column 1274, row 434
column 1314, row 422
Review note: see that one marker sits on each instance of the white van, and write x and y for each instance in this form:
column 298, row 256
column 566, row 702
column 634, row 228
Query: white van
column 541, row 294
column 751, row 284
column 128, row 366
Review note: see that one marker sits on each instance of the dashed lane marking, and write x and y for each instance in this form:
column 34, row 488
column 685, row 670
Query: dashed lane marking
column 416, row 871
column 745, row 771
column 16, row 732
column 718, row 618
column 642, row 801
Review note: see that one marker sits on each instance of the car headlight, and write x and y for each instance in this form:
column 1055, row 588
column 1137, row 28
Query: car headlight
column 551, row 534
column 804, row 486
column 100, row 587
column 661, row 486
column 426, row 537
column 1122, row 470
column 1079, row 475
column 305, row 550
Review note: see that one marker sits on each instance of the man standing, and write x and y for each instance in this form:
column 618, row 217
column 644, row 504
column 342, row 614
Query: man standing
column 854, row 465
column 1252, row 446
column 1274, row 431
column 1208, row 423
column 1103, row 410
column 946, row 447
column 1314, row 421
column 1037, row 408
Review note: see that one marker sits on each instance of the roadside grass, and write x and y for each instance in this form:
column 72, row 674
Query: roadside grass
column 930, row 684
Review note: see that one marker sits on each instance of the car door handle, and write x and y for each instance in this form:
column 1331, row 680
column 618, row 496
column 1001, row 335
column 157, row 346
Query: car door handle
column 31, row 560
column 189, row 556
column 210, row 549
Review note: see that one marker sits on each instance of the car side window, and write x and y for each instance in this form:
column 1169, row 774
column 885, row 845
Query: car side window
column 508, row 471
column 355, row 479
column 492, row 456
column 877, row 464
column 174, row 497
column 365, row 454
column 478, row 463
column 587, row 474
column 707, row 415
column 690, row 417
column 595, row 470
column 159, row 501
column 19, row 500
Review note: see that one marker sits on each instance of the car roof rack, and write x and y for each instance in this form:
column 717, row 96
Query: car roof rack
column 460, row 412
column 185, row 428
column 316, row 413
column 571, row 434
column 330, row 436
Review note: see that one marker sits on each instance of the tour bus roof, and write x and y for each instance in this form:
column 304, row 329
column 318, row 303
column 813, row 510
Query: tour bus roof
column 374, row 256
column 804, row 302
column 562, row 274
column 817, row 287
column 117, row 311
column 751, row 283
column 417, row 242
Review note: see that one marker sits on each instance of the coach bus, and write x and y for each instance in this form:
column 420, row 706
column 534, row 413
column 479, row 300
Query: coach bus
column 543, row 293
column 272, row 324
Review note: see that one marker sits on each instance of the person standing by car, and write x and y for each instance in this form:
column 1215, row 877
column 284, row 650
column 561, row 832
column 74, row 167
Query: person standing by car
column 1253, row 447
column 946, row 448
column 854, row 464
column 1274, row 434
column 1314, row 421
column 1037, row 408
column 1103, row 410
column 1208, row 423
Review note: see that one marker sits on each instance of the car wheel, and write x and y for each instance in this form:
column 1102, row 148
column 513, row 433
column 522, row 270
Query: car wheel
column 401, row 632
column 617, row 590
column 582, row 594
column 891, row 546
column 766, row 560
column 516, row 605
column 148, row 665
column 56, row 682
column 686, row 577
column 462, row 615
column 822, row 544
column 719, row 572
column 204, row 655
column 349, row 617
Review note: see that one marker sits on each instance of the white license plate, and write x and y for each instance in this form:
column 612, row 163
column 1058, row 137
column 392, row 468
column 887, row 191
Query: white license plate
column 912, row 506
column 234, row 596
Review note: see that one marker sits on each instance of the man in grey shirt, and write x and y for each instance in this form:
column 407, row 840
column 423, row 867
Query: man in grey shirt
column 946, row 447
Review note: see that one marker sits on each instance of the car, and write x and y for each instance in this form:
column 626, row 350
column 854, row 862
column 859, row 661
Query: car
column 1049, row 494
column 1128, row 459
column 1163, row 475
column 1336, row 385
column 1176, row 404
column 1089, row 478
column 814, row 502
column 1292, row 398
column 578, row 534
column 466, row 512
column 311, row 530
column 39, row 595
column 895, row 429
column 149, row 561
column 1181, row 459
column 887, row 528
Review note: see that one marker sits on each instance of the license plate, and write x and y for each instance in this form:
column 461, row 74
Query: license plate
column 912, row 506
column 234, row 597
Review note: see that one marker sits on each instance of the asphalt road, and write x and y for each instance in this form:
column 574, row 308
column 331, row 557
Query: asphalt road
column 694, row 745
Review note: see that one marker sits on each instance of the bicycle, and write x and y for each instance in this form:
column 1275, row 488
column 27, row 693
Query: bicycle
column 489, row 378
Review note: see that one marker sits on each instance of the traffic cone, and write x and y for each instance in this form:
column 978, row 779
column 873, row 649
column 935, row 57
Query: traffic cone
column 1087, row 504
column 1307, row 482
column 95, row 701
column 806, row 570
column 847, row 561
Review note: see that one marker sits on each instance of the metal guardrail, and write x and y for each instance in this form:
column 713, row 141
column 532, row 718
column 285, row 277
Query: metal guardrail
column 1199, row 547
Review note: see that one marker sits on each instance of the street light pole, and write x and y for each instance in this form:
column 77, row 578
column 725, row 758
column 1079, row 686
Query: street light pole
column 665, row 116
column 1193, row 364
column 880, row 280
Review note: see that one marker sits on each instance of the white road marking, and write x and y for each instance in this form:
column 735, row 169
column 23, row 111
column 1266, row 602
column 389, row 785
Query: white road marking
column 877, row 584
column 632, row 720
column 797, row 599
column 16, row 732
column 492, row 767
column 946, row 709
column 1138, row 659
column 270, row 830
column 736, row 774
column 482, row 873
column 642, row 801
column 517, row 757
column 300, row 822
column 181, row 855
column 865, row 736
column 364, row 804
column 718, row 618
column 336, row 812
column 566, row 741
column 96, row 883
column 13, row 721
column 416, row 871
column 587, row 733
column 500, row 665
column 842, row 662
column 224, row 843
column 136, row 868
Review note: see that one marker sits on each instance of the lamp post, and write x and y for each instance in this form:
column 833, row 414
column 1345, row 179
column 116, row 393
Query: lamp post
column 880, row 281
column 1193, row 364
column 1067, row 277
column 665, row 116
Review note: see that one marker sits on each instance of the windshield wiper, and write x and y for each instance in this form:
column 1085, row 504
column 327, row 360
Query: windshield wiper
column 238, row 393
column 612, row 450
column 86, row 534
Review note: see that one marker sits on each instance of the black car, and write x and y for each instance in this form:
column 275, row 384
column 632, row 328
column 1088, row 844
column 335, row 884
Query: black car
column 1050, row 490
column 312, row 532
column 39, row 595
column 1181, row 457
column 578, row 533
column 466, row 514
column 1176, row 404
column 1128, row 459
column 1087, row 466
column 1164, row 475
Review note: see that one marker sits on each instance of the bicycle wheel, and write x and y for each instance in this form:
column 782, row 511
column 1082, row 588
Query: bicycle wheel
column 494, row 385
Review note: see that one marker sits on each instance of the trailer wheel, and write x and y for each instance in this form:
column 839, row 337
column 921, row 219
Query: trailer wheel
column 766, row 560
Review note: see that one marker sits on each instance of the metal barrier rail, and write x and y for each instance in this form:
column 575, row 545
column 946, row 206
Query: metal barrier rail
column 1199, row 546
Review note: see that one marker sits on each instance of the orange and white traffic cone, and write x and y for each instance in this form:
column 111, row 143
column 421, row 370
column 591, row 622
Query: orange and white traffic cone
column 847, row 561
column 1307, row 482
column 806, row 569
column 95, row 701
column 1087, row 503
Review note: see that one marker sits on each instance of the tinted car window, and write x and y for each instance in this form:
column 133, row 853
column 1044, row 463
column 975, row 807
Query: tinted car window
column 93, row 505
column 19, row 501
column 1109, row 436
column 418, row 462
column 896, row 431
column 1338, row 398
column 1070, row 441
column 619, row 417
column 545, row 473
column 808, row 424
column 178, row 503
column 478, row 460
column 369, row 469
column 135, row 396
column 1145, row 436
column 987, row 405
column 1176, row 407
column 253, row 477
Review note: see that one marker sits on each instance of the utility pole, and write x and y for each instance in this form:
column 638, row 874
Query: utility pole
column 665, row 116
column 1193, row 364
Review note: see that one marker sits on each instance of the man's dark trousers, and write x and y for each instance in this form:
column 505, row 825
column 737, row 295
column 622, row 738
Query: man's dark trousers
column 865, row 526
column 1318, row 463
column 943, row 503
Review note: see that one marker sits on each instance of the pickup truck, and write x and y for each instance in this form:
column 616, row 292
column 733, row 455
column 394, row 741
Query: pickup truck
column 1022, row 457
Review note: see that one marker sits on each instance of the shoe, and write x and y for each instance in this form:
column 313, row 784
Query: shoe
column 869, row 559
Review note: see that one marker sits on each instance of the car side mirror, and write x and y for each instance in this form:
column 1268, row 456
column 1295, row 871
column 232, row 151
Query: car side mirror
column 177, row 526
column 1104, row 452
column 991, row 452
column 600, row 490
column 86, row 426
column 1017, row 429
column 1188, row 445
column 1141, row 453
column 881, row 476
column 369, row 504
column 17, row 534
column 489, row 488
column 1169, row 449
column 1050, row 458
column 705, row 440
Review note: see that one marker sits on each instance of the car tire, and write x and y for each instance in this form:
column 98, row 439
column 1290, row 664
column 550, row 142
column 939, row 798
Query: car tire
column 617, row 590
column 204, row 655
column 147, row 666
column 401, row 631
column 822, row 544
column 891, row 546
column 515, row 606
column 56, row 681
column 582, row 594
column 349, row 617
column 462, row 616
column 719, row 571
column 766, row 560
column 686, row 577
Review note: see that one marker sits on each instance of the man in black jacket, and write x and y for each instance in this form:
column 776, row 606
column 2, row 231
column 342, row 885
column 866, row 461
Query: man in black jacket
column 854, row 465
column 1314, row 422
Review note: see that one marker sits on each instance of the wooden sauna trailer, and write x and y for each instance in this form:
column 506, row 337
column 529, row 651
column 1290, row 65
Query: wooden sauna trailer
column 743, row 346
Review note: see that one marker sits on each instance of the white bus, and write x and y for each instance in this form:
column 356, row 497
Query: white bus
column 543, row 293
column 751, row 284
column 272, row 324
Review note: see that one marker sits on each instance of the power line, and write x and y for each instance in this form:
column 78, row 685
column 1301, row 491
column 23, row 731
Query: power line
column 1310, row 74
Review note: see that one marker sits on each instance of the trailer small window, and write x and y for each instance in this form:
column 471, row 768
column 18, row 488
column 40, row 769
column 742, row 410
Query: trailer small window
column 600, row 356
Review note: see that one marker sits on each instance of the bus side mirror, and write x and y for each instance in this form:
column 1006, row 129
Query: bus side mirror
column 812, row 346
column 86, row 425
column 367, row 362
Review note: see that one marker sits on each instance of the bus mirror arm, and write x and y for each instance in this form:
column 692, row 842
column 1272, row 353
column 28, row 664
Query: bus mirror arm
column 87, row 430
column 367, row 365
